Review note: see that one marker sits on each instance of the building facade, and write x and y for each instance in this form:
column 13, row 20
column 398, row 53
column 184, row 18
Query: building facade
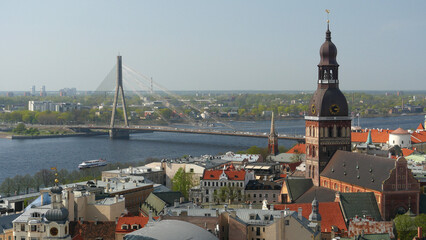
column 213, row 180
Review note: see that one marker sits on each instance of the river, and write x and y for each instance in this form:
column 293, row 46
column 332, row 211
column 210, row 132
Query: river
column 31, row 155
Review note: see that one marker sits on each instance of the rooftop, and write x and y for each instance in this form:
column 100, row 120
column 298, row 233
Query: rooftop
column 359, row 204
column 330, row 212
column 359, row 169
column 177, row 230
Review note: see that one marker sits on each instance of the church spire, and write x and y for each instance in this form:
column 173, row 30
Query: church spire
column 273, row 139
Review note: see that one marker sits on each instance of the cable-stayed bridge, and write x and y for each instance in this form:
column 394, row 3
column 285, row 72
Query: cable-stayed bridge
column 122, row 77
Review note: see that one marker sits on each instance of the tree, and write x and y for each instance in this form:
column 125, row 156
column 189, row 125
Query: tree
column 20, row 128
column 182, row 182
column 406, row 226
column 7, row 186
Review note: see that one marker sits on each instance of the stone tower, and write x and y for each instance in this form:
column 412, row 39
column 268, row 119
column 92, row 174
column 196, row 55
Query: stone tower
column 328, row 126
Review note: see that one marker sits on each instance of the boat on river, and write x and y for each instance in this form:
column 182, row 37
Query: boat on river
column 92, row 163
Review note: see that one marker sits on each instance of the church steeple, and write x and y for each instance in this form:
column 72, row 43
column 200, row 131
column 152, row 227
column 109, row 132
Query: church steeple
column 328, row 124
column 273, row 139
column 328, row 68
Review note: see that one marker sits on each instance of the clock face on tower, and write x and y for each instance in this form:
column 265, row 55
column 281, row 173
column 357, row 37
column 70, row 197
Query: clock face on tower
column 334, row 109
column 53, row 231
column 313, row 110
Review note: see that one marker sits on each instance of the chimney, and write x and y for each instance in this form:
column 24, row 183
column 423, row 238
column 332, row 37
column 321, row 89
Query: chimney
column 337, row 197
column 299, row 213
column 150, row 217
column 181, row 199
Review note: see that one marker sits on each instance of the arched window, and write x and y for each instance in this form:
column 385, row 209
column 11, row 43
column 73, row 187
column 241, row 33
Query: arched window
column 313, row 171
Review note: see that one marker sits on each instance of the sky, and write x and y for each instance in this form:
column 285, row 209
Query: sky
column 212, row 45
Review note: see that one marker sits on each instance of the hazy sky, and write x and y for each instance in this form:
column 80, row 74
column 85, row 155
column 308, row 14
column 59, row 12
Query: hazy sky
column 212, row 45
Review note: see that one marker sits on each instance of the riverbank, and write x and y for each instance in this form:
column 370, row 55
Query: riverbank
column 11, row 136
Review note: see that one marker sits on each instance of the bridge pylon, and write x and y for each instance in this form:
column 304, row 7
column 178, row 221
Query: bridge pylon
column 119, row 133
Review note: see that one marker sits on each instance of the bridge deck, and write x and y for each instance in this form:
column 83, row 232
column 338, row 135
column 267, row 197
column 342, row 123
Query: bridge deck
column 146, row 129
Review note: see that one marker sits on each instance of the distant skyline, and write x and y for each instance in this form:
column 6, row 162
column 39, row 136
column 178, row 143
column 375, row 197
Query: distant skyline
column 212, row 45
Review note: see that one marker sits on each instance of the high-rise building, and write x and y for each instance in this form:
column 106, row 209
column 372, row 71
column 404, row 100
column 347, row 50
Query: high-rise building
column 328, row 126
column 43, row 91
column 33, row 90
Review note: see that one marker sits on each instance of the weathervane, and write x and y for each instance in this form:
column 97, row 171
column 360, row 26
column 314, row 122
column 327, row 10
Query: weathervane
column 56, row 174
column 328, row 14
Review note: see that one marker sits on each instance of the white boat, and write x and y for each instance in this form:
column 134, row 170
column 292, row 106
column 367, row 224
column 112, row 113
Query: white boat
column 92, row 163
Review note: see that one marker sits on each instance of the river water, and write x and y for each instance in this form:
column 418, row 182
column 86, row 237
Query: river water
column 31, row 155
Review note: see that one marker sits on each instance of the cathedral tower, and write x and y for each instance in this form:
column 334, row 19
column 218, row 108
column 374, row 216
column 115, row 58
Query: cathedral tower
column 328, row 126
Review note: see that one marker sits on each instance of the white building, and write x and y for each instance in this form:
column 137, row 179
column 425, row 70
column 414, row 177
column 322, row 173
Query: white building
column 401, row 138
column 42, row 106
column 45, row 222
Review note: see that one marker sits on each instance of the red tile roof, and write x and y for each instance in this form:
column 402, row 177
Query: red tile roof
column 230, row 172
column 377, row 136
column 418, row 137
column 92, row 230
column 382, row 136
column 131, row 220
column 406, row 152
column 292, row 166
column 420, row 127
column 298, row 148
column 330, row 212
column 400, row 131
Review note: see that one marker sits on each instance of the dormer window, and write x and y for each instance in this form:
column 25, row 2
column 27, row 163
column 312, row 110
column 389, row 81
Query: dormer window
column 135, row 226
column 125, row 227
column 35, row 214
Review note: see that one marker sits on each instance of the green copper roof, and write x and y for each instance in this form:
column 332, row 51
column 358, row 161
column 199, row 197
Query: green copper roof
column 359, row 204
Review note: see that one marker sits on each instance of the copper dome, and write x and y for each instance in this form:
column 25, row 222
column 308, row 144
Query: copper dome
column 58, row 215
column 328, row 51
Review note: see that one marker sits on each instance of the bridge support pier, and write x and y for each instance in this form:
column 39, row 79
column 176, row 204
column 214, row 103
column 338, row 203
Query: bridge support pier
column 119, row 134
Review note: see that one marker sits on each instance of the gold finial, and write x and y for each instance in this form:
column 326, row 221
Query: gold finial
column 328, row 13
column 56, row 174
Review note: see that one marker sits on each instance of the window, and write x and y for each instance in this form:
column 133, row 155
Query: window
column 23, row 227
column 257, row 231
column 191, row 170
column 135, row 227
column 263, row 229
column 124, row 227
column 254, row 195
column 273, row 195
column 335, row 186
column 287, row 222
column 33, row 228
column 266, row 195
column 207, row 191
column 260, row 195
